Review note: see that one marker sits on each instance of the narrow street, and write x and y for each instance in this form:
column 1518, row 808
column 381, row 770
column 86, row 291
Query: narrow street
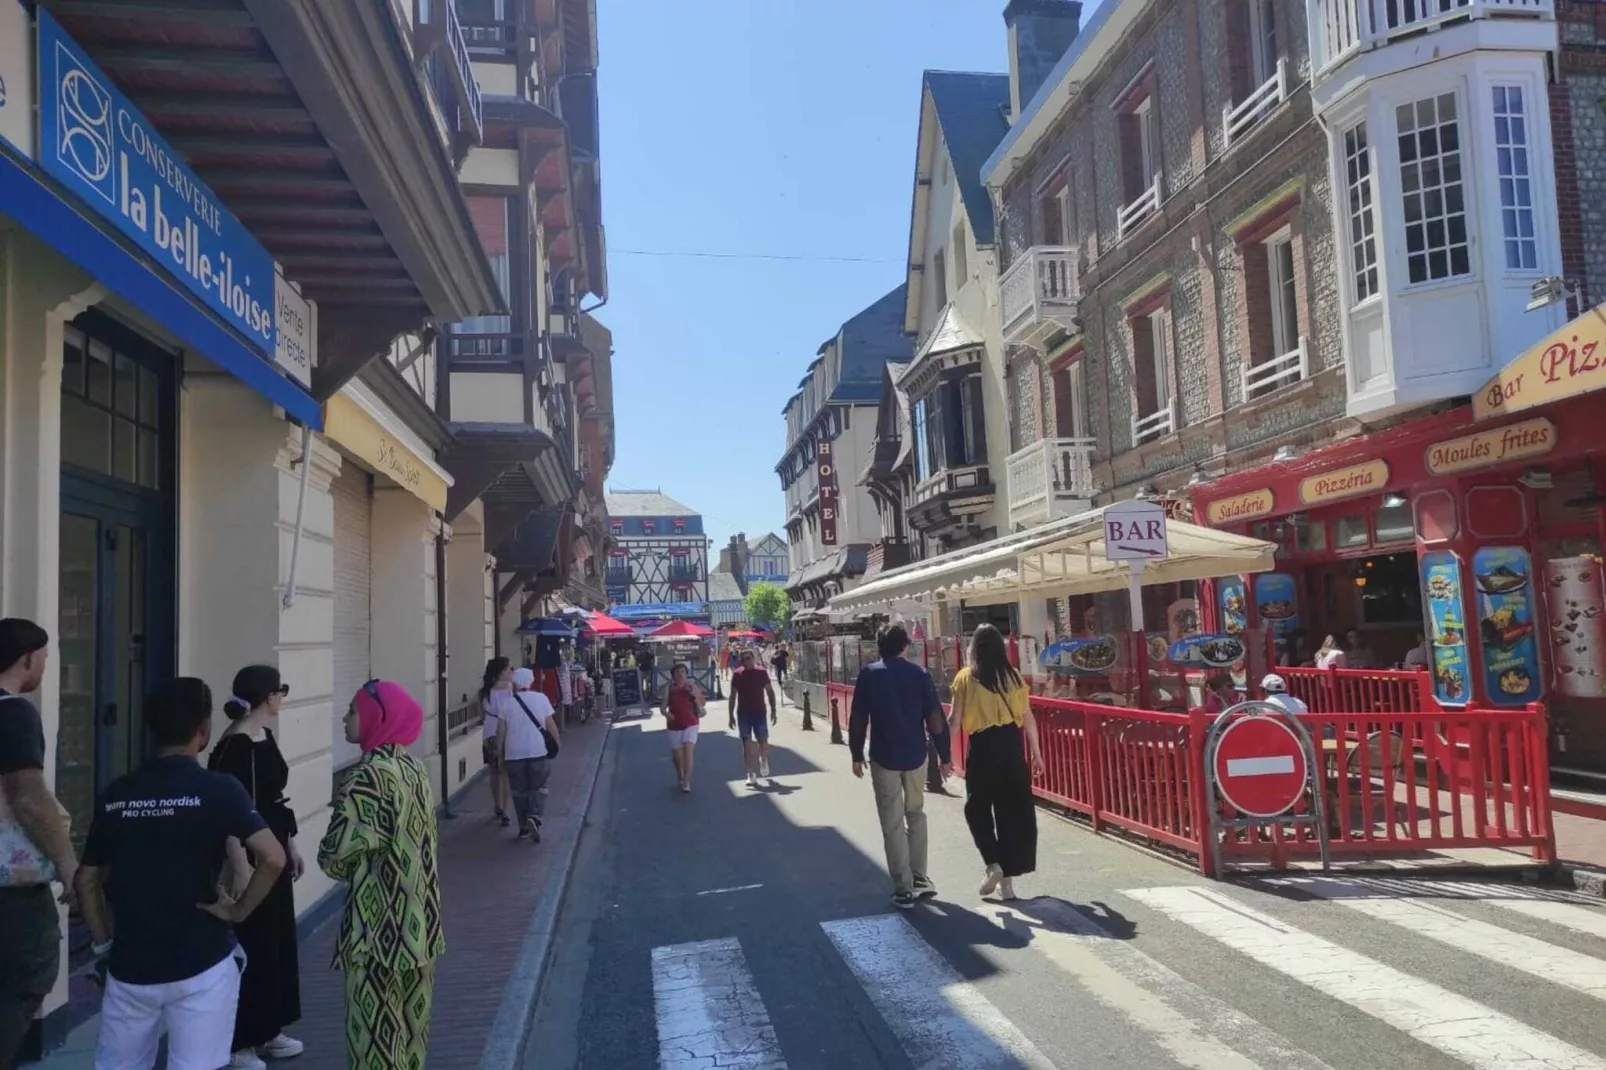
column 751, row 928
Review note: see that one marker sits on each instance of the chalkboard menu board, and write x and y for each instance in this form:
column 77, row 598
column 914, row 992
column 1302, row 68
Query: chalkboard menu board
column 626, row 688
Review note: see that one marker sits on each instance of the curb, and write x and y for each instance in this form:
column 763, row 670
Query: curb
column 504, row 1047
column 1588, row 881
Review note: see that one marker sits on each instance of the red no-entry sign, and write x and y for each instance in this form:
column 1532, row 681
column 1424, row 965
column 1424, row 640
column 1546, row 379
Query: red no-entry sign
column 1260, row 766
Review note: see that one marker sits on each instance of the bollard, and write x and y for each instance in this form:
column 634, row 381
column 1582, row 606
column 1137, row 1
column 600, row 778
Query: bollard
column 808, row 715
column 836, row 723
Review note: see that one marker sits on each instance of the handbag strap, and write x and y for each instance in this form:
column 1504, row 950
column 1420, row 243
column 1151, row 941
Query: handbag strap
column 527, row 712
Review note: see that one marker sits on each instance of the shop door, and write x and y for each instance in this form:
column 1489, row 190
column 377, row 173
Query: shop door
column 353, row 502
column 116, row 608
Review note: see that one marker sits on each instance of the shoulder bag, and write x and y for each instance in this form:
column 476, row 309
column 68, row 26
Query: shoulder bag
column 546, row 737
column 22, row 864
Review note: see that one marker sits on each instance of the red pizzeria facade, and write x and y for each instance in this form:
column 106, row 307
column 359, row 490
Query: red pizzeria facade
column 1473, row 536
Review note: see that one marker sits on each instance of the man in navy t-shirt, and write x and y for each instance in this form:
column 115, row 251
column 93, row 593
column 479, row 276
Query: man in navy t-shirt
column 155, row 851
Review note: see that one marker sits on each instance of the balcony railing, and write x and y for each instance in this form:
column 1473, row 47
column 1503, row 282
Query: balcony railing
column 1269, row 375
column 491, row 346
column 490, row 35
column 1049, row 479
column 685, row 575
column 441, row 29
column 1038, row 295
column 1147, row 203
column 1341, row 28
column 1237, row 119
column 1155, row 425
column 616, row 577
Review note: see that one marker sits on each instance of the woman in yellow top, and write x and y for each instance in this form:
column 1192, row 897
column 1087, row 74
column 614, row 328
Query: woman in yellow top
column 992, row 704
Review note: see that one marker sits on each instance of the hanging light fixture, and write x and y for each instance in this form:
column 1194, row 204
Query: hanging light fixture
column 1198, row 479
column 1393, row 500
column 1285, row 454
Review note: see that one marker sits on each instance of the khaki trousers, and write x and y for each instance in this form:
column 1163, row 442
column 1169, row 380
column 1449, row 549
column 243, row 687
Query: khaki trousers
column 900, row 800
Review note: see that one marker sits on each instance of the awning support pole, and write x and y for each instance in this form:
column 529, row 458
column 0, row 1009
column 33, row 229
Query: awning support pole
column 301, row 516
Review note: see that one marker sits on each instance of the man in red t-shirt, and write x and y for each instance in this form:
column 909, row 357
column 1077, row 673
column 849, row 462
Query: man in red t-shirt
column 750, row 687
column 683, row 704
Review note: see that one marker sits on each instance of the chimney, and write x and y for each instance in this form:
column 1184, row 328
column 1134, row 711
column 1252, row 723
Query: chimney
column 1039, row 33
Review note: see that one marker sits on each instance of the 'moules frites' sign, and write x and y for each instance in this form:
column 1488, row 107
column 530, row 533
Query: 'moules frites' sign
column 1531, row 438
column 1247, row 506
column 1344, row 482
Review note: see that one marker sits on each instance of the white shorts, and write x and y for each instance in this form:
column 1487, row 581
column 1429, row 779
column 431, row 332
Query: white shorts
column 679, row 737
column 197, row 1014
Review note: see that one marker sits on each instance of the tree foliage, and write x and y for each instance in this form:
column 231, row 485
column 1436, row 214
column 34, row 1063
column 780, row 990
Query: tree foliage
column 767, row 605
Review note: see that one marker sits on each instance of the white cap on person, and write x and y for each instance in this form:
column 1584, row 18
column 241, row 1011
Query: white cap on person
column 1273, row 684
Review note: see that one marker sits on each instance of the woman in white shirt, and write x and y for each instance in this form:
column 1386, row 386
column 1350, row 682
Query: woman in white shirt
column 524, row 751
column 498, row 684
column 1331, row 655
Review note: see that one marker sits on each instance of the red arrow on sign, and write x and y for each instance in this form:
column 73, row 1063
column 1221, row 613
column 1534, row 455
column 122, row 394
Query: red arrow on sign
column 1260, row 767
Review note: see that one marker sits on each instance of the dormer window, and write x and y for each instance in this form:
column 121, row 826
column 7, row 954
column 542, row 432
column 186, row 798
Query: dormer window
column 650, row 527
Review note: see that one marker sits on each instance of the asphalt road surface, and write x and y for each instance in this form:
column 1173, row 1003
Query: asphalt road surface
column 751, row 929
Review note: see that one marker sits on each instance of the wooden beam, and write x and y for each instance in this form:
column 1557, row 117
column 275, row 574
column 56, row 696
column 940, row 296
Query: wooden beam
column 354, row 282
column 229, row 108
column 209, row 12
column 348, row 341
column 199, row 62
column 303, row 149
column 297, row 265
column 287, row 183
column 302, row 215
column 288, row 237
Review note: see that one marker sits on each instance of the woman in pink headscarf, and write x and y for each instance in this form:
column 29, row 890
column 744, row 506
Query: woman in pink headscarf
column 381, row 840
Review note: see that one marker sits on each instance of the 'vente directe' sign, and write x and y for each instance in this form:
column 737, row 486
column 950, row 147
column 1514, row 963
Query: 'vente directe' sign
column 1365, row 478
column 1564, row 363
column 1531, row 438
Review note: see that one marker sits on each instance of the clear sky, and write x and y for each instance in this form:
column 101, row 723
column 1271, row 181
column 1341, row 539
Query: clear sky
column 752, row 129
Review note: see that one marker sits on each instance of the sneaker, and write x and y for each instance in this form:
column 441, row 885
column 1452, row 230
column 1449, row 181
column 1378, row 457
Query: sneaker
column 1006, row 889
column 924, row 889
column 532, row 829
column 685, row 789
column 524, row 832
column 752, row 780
column 764, row 768
column 504, row 820
column 246, row 1059
column 903, row 900
column 283, row 1047
column 989, row 885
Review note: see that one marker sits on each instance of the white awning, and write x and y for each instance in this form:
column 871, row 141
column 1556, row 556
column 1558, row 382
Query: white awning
column 1058, row 559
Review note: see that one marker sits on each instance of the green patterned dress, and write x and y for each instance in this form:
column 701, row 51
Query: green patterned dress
column 381, row 840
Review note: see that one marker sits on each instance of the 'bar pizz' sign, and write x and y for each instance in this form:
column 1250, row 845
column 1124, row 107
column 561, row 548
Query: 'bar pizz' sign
column 825, row 468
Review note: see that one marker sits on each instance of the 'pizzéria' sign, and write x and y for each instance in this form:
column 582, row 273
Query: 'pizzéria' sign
column 96, row 143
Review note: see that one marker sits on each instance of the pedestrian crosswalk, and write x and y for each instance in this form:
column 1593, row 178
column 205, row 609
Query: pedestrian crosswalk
column 1150, row 996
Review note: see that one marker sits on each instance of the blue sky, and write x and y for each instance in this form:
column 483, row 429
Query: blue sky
column 755, row 128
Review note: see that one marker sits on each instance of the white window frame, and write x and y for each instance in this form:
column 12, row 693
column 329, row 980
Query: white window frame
column 1160, row 336
column 1063, row 196
column 1150, row 158
column 1282, row 284
column 961, row 256
column 1076, row 384
column 1263, row 43
column 1415, row 182
column 1365, row 272
column 1514, row 172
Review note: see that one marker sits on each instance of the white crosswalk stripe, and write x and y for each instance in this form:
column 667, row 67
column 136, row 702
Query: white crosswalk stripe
column 709, row 1011
column 940, row 1019
column 1558, row 965
column 1196, row 1029
column 1462, row 1028
column 1585, row 920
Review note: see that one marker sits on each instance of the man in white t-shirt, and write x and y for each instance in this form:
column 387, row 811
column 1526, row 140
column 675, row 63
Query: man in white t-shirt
column 524, row 751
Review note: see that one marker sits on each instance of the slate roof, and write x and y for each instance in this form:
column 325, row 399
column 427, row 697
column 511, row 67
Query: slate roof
column 869, row 341
column 952, row 333
column 971, row 110
column 722, row 587
column 623, row 503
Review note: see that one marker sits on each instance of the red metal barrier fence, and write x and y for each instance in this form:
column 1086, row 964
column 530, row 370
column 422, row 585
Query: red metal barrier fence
column 1393, row 785
column 1361, row 690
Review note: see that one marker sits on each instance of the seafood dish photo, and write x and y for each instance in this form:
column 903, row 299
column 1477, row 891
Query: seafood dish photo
column 1094, row 657
column 1515, row 681
column 1221, row 651
column 1276, row 610
column 1501, row 579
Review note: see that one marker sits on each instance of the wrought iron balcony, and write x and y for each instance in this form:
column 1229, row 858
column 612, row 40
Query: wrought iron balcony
column 439, row 29
column 1038, row 295
column 1341, row 29
column 1050, row 479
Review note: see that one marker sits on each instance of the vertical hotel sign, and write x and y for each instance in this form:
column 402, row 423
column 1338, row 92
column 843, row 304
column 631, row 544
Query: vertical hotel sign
column 97, row 144
column 825, row 468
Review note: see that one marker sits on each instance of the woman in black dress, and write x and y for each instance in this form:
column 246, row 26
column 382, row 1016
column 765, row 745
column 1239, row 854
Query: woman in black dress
column 270, row 988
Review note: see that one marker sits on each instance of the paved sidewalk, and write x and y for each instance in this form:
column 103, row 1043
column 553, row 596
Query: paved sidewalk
column 492, row 887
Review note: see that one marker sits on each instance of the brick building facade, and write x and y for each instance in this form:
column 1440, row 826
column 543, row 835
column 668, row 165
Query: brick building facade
column 1233, row 268
column 1578, row 115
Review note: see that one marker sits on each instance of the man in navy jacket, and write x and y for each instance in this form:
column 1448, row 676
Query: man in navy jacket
column 897, row 703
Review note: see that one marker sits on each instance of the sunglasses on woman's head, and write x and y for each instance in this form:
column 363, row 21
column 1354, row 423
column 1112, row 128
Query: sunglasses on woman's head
column 371, row 689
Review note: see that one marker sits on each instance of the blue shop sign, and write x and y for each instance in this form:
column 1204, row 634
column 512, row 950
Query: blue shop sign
column 97, row 144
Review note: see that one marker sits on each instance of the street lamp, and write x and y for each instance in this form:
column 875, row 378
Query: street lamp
column 1548, row 291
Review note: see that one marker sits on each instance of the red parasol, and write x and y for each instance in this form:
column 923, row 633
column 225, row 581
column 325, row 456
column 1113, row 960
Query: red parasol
column 601, row 624
column 681, row 629
column 746, row 635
